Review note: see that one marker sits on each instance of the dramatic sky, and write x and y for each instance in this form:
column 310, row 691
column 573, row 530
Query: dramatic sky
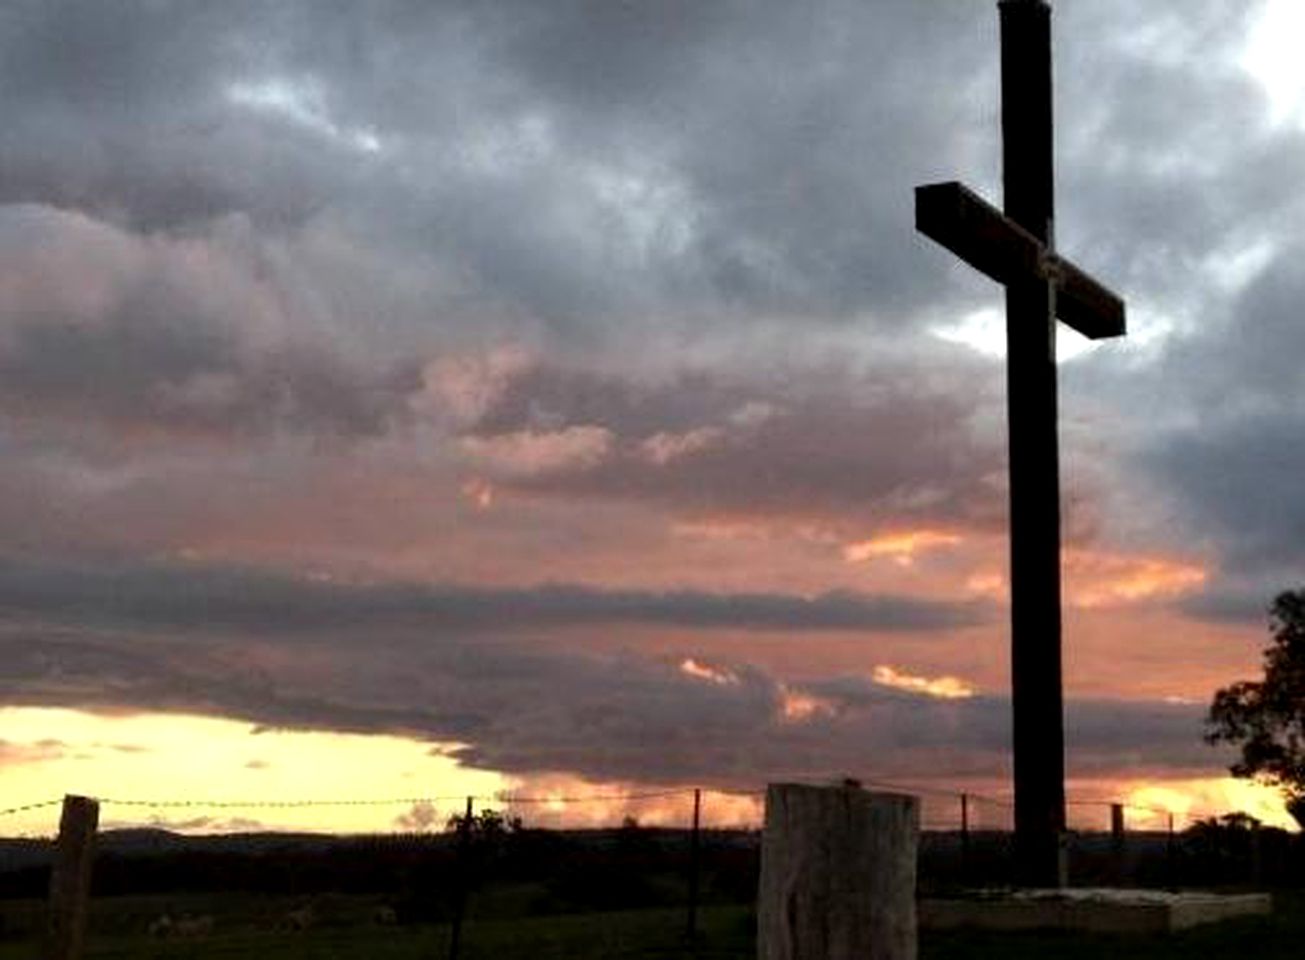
column 409, row 398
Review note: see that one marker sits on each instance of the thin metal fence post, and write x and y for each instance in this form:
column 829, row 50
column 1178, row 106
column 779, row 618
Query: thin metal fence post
column 1257, row 855
column 1171, row 856
column 70, row 879
column 966, row 876
column 463, row 881
column 691, row 928
column 1117, row 841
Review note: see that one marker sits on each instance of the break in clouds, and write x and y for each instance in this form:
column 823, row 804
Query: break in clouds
column 382, row 368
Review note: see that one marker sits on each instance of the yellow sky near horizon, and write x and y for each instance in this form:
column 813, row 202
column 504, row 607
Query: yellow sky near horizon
column 195, row 774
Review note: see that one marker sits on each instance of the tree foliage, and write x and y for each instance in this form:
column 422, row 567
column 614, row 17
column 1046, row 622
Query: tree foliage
column 1266, row 718
column 488, row 825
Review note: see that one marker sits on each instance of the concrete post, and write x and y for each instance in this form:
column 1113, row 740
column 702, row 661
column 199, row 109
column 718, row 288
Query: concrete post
column 837, row 875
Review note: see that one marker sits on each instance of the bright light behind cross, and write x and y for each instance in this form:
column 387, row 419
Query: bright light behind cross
column 984, row 330
column 1272, row 57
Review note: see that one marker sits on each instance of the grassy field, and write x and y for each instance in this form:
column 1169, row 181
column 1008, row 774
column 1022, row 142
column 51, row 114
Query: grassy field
column 245, row 927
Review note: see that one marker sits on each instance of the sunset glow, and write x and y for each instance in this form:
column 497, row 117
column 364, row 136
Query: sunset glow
column 799, row 707
column 562, row 408
column 1192, row 800
column 1098, row 579
column 901, row 548
column 944, row 688
column 152, row 760
column 699, row 671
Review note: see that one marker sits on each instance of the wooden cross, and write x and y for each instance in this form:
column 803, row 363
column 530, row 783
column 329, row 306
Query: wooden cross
column 1017, row 248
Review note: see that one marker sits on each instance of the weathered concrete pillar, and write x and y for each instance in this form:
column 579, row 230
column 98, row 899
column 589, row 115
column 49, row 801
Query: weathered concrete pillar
column 837, row 875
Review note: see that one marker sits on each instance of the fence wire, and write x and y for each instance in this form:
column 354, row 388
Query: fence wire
column 452, row 859
column 942, row 809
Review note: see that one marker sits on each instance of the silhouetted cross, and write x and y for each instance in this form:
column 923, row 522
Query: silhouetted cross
column 1017, row 248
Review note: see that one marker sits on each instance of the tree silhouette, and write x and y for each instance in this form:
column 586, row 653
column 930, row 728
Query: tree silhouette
column 488, row 826
column 1266, row 718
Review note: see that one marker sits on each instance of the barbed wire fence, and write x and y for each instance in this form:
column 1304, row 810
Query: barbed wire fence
column 696, row 835
column 942, row 809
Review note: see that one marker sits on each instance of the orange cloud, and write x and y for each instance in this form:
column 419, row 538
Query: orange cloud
column 798, row 707
column 1095, row 579
column 701, row 671
column 901, row 548
column 944, row 688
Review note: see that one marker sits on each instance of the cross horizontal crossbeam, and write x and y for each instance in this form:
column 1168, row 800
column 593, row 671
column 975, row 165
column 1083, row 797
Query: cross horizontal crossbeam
column 959, row 219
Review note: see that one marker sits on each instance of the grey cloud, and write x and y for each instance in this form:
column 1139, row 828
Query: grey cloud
column 1237, row 606
column 523, row 711
column 1232, row 462
column 1240, row 482
column 719, row 163
column 123, row 113
column 1233, row 599
column 215, row 600
column 1159, row 126
column 586, row 163
column 201, row 337
column 734, row 734
column 847, row 444
column 1099, row 733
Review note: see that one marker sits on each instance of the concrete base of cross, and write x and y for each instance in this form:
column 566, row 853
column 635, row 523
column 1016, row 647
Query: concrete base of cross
column 1092, row 910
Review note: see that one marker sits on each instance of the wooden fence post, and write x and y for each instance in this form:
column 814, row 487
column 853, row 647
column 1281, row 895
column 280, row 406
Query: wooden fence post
column 837, row 875
column 70, row 879
column 1117, row 842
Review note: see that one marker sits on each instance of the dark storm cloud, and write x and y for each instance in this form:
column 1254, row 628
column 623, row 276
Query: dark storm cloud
column 734, row 735
column 585, row 161
column 523, row 711
column 1241, row 483
column 217, row 600
column 1233, row 462
column 1235, row 603
column 574, row 160
column 122, row 113
column 768, row 117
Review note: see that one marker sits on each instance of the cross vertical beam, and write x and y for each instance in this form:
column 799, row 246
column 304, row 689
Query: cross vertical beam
column 1017, row 248
column 1031, row 398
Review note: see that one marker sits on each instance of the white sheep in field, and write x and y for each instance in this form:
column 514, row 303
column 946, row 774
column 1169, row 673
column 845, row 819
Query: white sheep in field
column 188, row 926
column 384, row 916
column 299, row 920
column 160, row 926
